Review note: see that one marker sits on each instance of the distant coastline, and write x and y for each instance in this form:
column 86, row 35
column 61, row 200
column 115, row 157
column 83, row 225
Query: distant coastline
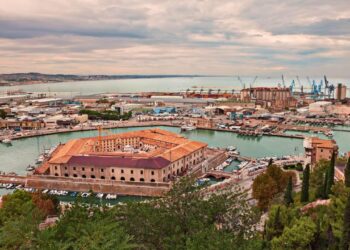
column 16, row 79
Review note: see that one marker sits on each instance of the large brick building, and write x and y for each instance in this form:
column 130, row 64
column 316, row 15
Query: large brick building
column 317, row 149
column 152, row 155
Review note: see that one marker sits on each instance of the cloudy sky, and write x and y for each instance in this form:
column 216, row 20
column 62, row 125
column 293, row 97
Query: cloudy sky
column 246, row 37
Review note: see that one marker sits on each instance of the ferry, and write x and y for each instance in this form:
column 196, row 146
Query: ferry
column 187, row 128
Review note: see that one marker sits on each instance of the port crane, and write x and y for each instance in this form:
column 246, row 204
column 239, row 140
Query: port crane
column 328, row 87
column 292, row 86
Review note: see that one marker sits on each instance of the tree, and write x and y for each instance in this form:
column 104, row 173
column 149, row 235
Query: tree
column 188, row 217
column 263, row 190
column 325, row 186
column 298, row 236
column 346, row 227
column 270, row 162
column 288, row 195
column 305, row 184
column 331, row 170
column 2, row 114
column 347, row 173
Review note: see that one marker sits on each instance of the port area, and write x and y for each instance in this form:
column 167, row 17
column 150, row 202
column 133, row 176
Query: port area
column 239, row 170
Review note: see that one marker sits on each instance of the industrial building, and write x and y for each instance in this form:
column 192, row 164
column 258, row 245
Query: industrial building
column 275, row 98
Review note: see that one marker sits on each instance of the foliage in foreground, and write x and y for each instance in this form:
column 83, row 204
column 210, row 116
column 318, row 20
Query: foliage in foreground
column 187, row 218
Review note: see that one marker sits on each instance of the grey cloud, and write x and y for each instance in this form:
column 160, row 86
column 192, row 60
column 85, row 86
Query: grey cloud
column 326, row 27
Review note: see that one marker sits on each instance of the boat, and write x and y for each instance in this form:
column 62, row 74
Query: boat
column 231, row 148
column 99, row 195
column 187, row 128
column 111, row 196
column 30, row 168
column 40, row 159
column 330, row 133
column 7, row 141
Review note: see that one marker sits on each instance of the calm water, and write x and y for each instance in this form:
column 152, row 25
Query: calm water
column 342, row 138
column 25, row 151
column 70, row 89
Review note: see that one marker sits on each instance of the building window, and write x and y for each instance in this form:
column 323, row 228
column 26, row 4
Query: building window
column 122, row 171
column 102, row 177
column 112, row 170
column 132, row 179
column 102, row 170
column 131, row 171
column 92, row 170
column 55, row 167
column 74, row 175
column 56, row 174
column 142, row 180
column 66, row 175
column 113, row 178
column 84, row 176
column 65, row 168
column 153, row 180
column 93, row 176
column 141, row 171
column 74, row 168
column 83, row 169
column 122, row 178
column 152, row 173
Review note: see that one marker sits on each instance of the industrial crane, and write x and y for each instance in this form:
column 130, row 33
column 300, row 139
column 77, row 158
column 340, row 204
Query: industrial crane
column 291, row 87
column 300, row 85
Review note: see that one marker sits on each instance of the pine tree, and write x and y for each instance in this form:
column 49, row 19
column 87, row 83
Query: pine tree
column 270, row 162
column 347, row 174
column 288, row 195
column 305, row 186
column 330, row 181
column 324, row 188
column 346, row 227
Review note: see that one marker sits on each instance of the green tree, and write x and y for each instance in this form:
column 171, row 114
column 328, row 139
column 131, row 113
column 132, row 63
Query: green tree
column 188, row 216
column 305, row 184
column 347, row 173
column 288, row 195
column 325, row 186
column 298, row 236
column 346, row 227
column 2, row 114
column 331, row 170
column 263, row 190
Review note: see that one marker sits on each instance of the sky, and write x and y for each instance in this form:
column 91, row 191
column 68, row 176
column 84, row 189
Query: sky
column 210, row 37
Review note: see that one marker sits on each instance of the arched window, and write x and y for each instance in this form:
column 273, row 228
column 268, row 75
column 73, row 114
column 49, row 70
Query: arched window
column 75, row 175
column 66, row 175
column 93, row 176
column 164, row 179
column 132, row 179
column 84, row 176
column 153, row 180
column 122, row 178
column 142, row 180
column 113, row 178
column 102, row 177
column 56, row 174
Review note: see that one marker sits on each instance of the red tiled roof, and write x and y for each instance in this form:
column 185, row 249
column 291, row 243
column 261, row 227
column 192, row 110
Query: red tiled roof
column 103, row 161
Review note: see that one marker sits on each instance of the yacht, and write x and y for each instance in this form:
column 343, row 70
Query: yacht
column 187, row 128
